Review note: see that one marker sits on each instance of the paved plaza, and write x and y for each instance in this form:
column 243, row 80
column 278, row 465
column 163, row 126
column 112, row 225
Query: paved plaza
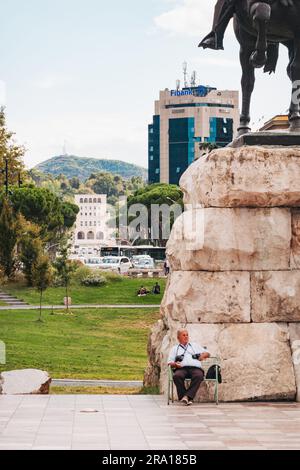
column 143, row 422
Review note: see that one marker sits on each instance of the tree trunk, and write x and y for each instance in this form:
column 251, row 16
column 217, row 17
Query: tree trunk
column 41, row 297
column 67, row 295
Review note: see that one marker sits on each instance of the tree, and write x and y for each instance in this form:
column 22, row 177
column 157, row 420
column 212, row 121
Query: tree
column 8, row 238
column 74, row 182
column 42, row 277
column 65, row 269
column 158, row 194
column 30, row 249
column 12, row 152
column 40, row 206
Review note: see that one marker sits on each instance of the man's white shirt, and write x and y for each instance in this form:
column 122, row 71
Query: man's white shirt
column 188, row 351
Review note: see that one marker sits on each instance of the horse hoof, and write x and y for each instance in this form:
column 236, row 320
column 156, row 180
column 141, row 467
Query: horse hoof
column 243, row 130
column 258, row 59
column 295, row 125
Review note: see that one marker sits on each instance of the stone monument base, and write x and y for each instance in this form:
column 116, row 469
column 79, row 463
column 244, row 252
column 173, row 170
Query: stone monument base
column 235, row 279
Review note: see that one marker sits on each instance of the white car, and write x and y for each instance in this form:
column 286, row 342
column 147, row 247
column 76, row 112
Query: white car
column 143, row 262
column 121, row 264
column 93, row 262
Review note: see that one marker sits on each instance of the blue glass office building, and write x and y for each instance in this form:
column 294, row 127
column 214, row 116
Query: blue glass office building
column 183, row 119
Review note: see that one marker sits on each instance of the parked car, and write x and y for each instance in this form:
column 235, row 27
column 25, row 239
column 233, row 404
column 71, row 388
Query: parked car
column 120, row 264
column 143, row 262
column 93, row 261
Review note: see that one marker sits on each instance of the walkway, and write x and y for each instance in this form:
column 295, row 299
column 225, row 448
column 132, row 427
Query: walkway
column 97, row 383
column 73, row 307
column 143, row 422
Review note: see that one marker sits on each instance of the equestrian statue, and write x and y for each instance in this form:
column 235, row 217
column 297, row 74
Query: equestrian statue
column 260, row 27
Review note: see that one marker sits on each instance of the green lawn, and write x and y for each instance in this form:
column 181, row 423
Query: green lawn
column 89, row 344
column 120, row 292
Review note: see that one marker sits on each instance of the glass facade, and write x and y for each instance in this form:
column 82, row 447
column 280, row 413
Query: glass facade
column 221, row 131
column 154, row 150
column 181, row 147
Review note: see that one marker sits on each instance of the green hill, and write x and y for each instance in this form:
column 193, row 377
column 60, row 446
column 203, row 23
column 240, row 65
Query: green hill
column 70, row 166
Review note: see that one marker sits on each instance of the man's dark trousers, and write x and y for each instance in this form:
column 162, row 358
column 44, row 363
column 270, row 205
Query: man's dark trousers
column 195, row 374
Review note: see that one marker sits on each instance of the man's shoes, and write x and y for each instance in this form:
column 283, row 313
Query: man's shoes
column 186, row 401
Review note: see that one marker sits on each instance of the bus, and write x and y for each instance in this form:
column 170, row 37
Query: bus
column 156, row 252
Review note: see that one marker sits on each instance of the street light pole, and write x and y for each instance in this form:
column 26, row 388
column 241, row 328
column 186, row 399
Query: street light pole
column 6, row 176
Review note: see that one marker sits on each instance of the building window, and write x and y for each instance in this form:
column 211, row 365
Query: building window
column 80, row 236
column 157, row 171
column 151, row 149
column 81, row 201
column 91, row 236
column 85, row 201
column 151, row 130
column 224, row 130
column 151, row 158
column 86, row 224
column 177, row 170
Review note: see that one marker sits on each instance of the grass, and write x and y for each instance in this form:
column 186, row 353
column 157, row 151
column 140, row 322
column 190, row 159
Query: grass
column 122, row 292
column 89, row 344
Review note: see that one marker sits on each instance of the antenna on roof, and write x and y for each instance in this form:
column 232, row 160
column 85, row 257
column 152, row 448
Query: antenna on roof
column 177, row 85
column 185, row 74
column 65, row 148
column 194, row 78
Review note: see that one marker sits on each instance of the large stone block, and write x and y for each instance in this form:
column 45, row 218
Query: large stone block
column 295, row 248
column 294, row 330
column 245, row 177
column 25, row 382
column 256, row 359
column 275, row 296
column 207, row 297
column 231, row 240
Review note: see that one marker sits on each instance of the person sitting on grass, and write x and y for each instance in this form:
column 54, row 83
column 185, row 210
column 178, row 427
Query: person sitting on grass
column 143, row 291
column 185, row 359
column 156, row 289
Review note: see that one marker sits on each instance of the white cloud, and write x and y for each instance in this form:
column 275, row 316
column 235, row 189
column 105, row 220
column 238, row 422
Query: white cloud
column 50, row 82
column 192, row 17
column 187, row 17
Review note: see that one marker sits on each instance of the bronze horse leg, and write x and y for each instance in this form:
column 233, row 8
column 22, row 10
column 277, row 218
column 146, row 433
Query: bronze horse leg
column 261, row 15
column 247, row 43
column 294, row 74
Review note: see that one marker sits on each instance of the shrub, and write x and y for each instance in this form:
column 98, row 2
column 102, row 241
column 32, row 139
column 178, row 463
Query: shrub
column 94, row 281
column 112, row 277
column 82, row 273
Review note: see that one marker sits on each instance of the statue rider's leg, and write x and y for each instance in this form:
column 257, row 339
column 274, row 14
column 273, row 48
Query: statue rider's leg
column 294, row 71
column 224, row 11
column 261, row 14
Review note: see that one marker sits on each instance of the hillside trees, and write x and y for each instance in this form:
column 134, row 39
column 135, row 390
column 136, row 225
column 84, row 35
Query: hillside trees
column 10, row 151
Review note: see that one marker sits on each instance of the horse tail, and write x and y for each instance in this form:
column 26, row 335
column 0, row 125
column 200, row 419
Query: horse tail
column 272, row 58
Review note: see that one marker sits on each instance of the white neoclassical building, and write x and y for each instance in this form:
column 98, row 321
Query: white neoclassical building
column 92, row 230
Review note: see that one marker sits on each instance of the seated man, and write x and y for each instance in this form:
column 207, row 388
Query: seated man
column 186, row 359
column 156, row 289
column 142, row 292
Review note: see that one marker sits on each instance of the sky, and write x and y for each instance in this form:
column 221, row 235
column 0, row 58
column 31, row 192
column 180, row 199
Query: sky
column 82, row 76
